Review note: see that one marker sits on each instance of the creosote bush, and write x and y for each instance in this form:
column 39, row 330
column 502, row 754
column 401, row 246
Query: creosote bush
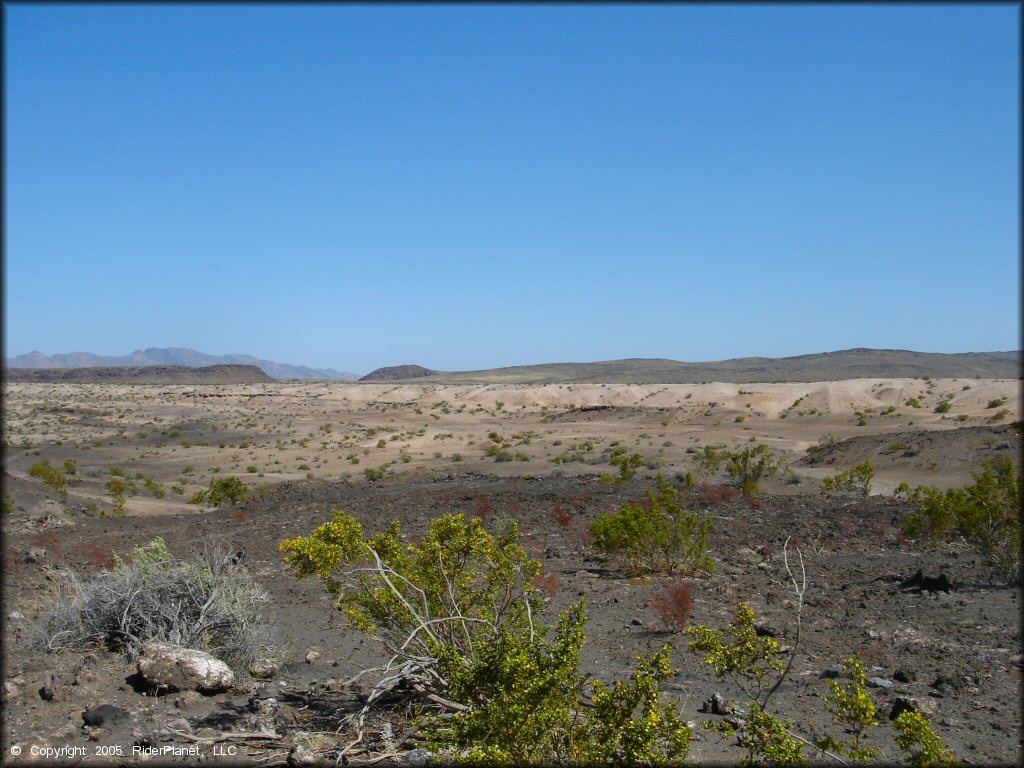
column 985, row 514
column 208, row 603
column 222, row 490
column 751, row 465
column 50, row 475
column 657, row 537
column 458, row 618
column 628, row 464
column 856, row 479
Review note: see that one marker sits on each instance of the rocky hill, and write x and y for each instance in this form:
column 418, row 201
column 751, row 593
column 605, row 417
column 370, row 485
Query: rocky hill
column 398, row 373
column 174, row 356
column 142, row 374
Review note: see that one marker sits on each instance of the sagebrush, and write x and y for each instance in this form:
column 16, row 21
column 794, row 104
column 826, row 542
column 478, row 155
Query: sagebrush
column 207, row 603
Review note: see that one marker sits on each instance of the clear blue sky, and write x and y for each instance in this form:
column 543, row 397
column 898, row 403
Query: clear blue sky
column 466, row 187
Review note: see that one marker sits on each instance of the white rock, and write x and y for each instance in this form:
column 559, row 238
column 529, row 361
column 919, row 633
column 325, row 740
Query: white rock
column 183, row 669
column 301, row 755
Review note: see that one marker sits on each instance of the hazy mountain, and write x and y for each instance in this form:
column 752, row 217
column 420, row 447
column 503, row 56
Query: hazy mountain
column 827, row 366
column 174, row 356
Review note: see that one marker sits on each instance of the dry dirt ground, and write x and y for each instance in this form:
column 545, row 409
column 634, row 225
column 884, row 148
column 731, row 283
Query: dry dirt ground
column 304, row 448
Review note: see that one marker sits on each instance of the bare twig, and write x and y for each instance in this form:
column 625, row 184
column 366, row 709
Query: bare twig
column 800, row 588
column 224, row 736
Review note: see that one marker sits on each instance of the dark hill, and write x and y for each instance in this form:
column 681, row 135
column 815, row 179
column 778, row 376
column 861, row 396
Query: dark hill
column 828, row 366
column 175, row 356
column 142, row 374
column 398, row 372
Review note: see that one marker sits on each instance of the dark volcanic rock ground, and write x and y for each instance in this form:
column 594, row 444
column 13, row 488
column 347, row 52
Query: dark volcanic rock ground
column 959, row 652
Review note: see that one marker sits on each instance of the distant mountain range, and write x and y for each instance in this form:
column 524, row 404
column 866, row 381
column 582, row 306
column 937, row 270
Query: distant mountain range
column 826, row 366
column 174, row 356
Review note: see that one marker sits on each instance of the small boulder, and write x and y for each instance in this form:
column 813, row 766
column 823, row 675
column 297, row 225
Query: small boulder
column 177, row 668
column 48, row 691
column 103, row 714
column 903, row 704
column 716, row 706
column 417, row 757
column 263, row 669
column 879, row 682
column 836, row 670
column 302, row 755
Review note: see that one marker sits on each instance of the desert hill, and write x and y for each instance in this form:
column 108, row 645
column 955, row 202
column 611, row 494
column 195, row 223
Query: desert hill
column 398, row 373
column 173, row 356
column 828, row 366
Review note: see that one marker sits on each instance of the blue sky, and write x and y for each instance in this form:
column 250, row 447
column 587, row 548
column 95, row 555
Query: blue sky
column 473, row 186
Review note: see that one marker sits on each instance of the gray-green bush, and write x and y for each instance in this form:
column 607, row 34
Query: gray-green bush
column 208, row 603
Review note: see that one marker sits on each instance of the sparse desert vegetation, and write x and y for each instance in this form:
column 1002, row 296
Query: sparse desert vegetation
column 559, row 573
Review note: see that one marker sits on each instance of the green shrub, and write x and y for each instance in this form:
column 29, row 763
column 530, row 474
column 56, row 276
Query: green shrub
column 998, row 416
column 223, row 490
column 659, row 536
column 943, row 407
column 825, row 442
column 50, row 475
column 627, row 464
column 752, row 662
column 850, row 705
column 985, row 514
column 457, row 615
column 996, row 402
column 924, row 746
column 751, row 465
column 856, row 479
column 117, row 489
column 709, row 458
column 740, row 653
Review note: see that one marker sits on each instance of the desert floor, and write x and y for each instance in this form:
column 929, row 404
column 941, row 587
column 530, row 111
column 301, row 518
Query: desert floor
column 533, row 453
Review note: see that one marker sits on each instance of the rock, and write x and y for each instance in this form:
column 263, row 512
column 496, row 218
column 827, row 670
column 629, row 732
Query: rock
column 765, row 629
column 34, row 555
column 836, row 670
column 417, row 757
column 903, row 704
column 263, row 669
column 716, row 706
column 174, row 667
column 181, row 725
column 945, row 686
column 921, row 583
column 267, row 706
column 48, row 692
column 302, row 755
column 879, row 682
column 312, row 656
column 186, row 699
column 102, row 715
column 903, row 676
